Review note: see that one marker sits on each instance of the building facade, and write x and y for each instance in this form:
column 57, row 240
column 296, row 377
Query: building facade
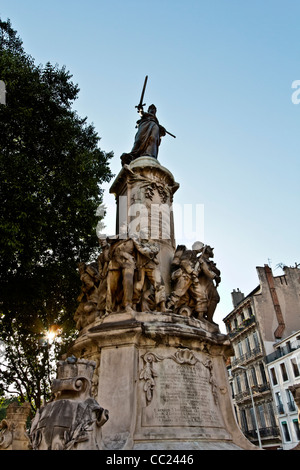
column 270, row 313
column 284, row 371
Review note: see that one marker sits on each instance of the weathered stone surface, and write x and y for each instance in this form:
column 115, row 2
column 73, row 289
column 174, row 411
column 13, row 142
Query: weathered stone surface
column 138, row 269
column 13, row 435
column 164, row 380
column 73, row 420
column 160, row 357
column 195, row 278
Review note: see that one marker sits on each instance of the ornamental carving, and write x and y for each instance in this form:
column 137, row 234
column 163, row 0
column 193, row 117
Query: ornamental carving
column 73, row 419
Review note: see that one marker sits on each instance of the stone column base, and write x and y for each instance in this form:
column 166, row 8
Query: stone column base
column 163, row 379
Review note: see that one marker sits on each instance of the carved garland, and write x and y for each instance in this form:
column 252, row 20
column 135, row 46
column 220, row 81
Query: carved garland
column 163, row 193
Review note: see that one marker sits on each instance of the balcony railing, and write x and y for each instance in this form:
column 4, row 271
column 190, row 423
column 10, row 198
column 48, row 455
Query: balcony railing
column 256, row 389
column 282, row 351
column 247, row 356
column 272, row 431
column 242, row 326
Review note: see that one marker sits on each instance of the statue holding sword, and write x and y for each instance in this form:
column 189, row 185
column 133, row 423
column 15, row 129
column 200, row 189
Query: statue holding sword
column 148, row 137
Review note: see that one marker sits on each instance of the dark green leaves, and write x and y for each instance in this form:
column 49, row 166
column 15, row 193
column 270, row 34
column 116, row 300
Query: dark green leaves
column 51, row 171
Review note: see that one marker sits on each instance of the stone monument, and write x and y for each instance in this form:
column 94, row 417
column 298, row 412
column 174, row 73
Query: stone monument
column 13, row 435
column 146, row 318
column 72, row 419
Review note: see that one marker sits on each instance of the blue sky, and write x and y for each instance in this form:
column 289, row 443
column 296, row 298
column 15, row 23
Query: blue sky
column 220, row 73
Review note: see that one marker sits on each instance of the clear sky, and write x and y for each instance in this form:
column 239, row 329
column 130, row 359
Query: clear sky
column 221, row 74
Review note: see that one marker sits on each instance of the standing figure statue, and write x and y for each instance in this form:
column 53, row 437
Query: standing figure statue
column 120, row 274
column 148, row 137
column 134, row 279
column 149, row 134
column 209, row 278
column 103, row 263
column 87, row 310
column 148, row 277
column 187, row 291
column 195, row 279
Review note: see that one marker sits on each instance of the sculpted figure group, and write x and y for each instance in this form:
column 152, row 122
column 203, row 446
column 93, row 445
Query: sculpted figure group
column 127, row 277
column 195, row 278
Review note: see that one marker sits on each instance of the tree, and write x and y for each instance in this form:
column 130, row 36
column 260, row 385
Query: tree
column 51, row 171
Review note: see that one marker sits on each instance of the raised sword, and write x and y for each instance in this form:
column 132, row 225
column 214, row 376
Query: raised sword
column 141, row 104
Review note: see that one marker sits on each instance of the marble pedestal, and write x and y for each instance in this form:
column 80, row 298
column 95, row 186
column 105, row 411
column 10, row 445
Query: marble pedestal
column 164, row 381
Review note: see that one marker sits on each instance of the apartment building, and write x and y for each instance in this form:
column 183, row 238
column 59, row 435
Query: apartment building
column 284, row 371
column 270, row 313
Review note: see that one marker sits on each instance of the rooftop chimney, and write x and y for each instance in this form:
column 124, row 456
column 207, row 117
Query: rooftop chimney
column 237, row 297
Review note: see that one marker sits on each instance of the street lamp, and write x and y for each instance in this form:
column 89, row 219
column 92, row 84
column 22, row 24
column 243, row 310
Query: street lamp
column 252, row 400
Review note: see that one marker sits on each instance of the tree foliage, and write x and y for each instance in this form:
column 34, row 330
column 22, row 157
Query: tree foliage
column 51, row 171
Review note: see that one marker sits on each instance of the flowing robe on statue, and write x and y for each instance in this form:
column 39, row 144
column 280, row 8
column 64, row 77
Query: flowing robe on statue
column 147, row 138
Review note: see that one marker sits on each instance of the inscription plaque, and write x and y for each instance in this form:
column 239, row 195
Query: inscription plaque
column 182, row 393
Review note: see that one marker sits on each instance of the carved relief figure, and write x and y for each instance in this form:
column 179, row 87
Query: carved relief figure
column 126, row 276
column 120, row 274
column 148, row 270
column 193, row 275
column 209, row 278
column 103, row 263
column 87, row 309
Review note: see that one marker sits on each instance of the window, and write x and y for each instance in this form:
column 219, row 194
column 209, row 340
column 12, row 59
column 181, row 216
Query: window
column 240, row 348
column 253, row 375
column 253, row 421
column 296, row 428
column 261, row 416
column 238, row 384
column 244, row 423
column 232, row 392
column 250, row 313
column 248, row 347
column 286, row 432
column 295, row 367
column 283, row 372
column 246, row 381
column 271, row 415
column 279, row 403
column 273, row 376
column 290, row 401
column 256, row 340
column 263, row 373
